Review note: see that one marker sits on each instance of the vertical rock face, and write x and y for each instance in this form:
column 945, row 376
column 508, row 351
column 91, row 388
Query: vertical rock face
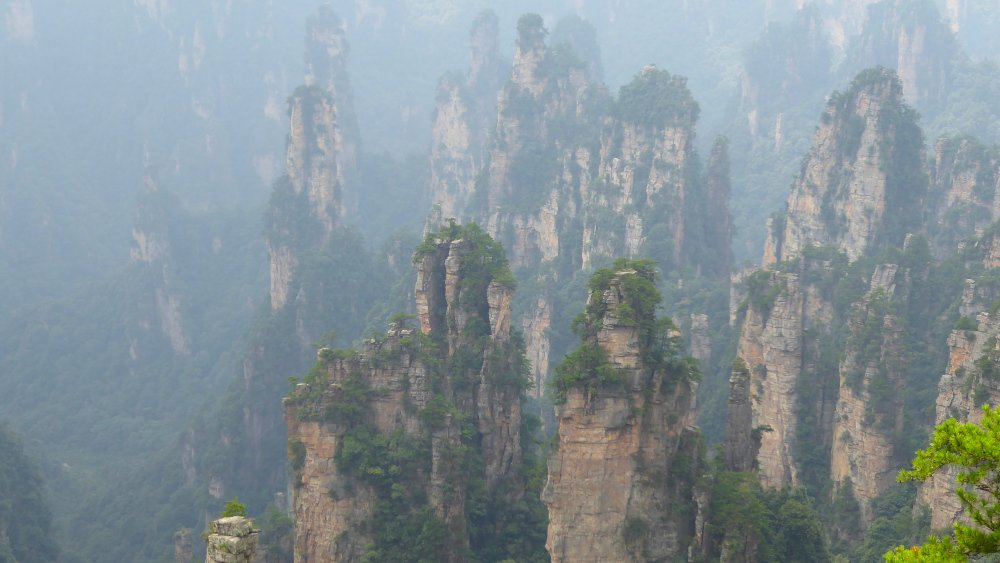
column 152, row 251
column 740, row 449
column 231, row 540
column 566, row 176
column 965, row 176
column 642, row 175
column 866, row 157
column 805, row 54
column 869, row 412
column 910, row 37
column 183, row 548
column 321, row 162
column 969, row 383
column 331, row 509
column 464, row 120
column 619, row 483
column 771, row 345
column 388, row 431
column 971, row 379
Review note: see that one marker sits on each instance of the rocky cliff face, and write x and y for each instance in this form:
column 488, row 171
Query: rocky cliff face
column 780, row 310
column 231, row 540
column 911, row 38
column 619, row 483
column 152, row 251
column 828, row 401
column 866, row 157
column 464, row 121
column 567, row 177
column 321, row 162
column 418, row 424
column 742, row 441
column 965, row 177
column 868, row 419
column 971, row 377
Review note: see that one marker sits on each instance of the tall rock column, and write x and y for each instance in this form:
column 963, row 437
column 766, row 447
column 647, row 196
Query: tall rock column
column 620, row 479
column 321, row 167
column 869, row 412
column 866, row 157
column 771, row 344
column 231, row 540
column 972, row 376
column 740, row 447
column 464, row 122
column 399, row 436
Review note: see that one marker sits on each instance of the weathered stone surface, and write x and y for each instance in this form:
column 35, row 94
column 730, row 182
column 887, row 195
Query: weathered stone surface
column 740, row 450
column 965, row 180
column 961, row 392
column 840, row 197
column 607, row 491
column 331, row 509
column 865, row 427
column 231, row 540
column 771, row 344
column 183, row 546
column 321, row 155
column 535, row 325
column 464, row 119
column 701, row 339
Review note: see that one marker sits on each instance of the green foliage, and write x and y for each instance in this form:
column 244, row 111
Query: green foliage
column 988, row 364
column 936, row 550
column 895, row 521
column 349, row 400
column 233, row 508
column 588, row 367
column 276, row 535
column 966, row 323
column 657, row 98
column 660, row 344
column 762, row 291
column 531, row 32
column 296, row 454
column 379, row 459
column 534, row 169
column 846, row 511
column 437, row 412
column 634, row 530
column 25, row 520
column 975, row 450
column 486, row 260
column 774, row 525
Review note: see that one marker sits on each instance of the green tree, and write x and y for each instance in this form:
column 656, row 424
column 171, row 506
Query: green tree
column 975, row 450
column 234, row 508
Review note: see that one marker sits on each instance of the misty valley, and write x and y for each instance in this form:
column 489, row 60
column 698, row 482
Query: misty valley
column 453, row 281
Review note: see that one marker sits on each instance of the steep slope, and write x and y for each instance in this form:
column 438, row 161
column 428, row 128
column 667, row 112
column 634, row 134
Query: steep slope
column 325, row 279
column 620, row 476
column 414, row 444
column 866, row 157
column 572, row 177
column 970, row 379
column 824, row 393
column 464, row 122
